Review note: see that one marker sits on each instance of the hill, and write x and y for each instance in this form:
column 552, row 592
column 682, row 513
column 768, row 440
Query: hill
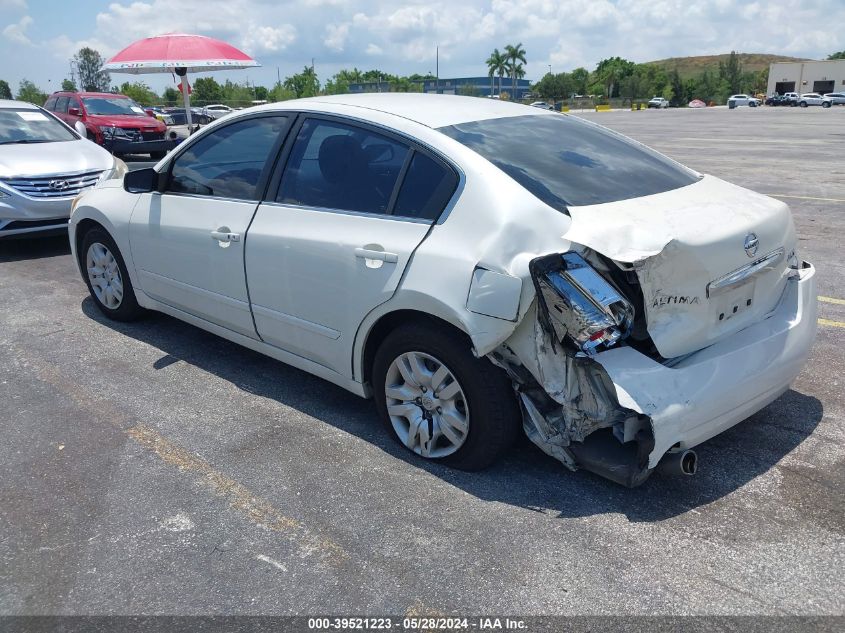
column 694, row 66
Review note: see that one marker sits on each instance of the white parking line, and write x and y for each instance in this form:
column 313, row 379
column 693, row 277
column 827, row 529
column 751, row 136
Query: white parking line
column 781, row 195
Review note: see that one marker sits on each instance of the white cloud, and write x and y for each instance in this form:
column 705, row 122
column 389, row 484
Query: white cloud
column 336, row 36
column 17, row 32
column 374, row 49
column 13, row 4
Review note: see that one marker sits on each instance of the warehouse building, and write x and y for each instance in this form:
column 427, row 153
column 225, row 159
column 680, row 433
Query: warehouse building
column 812, row 76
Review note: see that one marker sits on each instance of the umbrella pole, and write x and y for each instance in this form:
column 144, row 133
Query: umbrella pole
column 187, row 99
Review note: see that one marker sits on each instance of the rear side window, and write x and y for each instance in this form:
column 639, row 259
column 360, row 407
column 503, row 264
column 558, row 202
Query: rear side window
column 61, row 104
column 228, row 162
column 338, row 166
column 566, row 161
column 426, row 190
column 51, row 104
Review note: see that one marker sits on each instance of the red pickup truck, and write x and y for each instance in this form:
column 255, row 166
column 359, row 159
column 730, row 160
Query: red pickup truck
column 112, row 120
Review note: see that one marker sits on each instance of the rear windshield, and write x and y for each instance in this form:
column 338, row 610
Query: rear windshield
column 19, row 126
column 566, row 161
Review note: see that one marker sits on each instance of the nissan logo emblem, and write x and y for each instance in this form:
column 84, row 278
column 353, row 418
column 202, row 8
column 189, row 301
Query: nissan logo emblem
column 751, row 244
column 58, row 185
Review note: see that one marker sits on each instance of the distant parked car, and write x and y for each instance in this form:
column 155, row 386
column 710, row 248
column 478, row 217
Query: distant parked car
column 217, row 110
column 658, row 102
column 112, row 120
column 543, row 105
column 792, row 98
column 697, row 103
column 835, row 98
column 812, row 99
column 44, row 165
column 744, row 100
column 178, row 116
column 778, row 100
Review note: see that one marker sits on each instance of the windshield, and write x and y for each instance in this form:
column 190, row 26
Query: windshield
column 31, row 126
column 566, row 161
column 113, row 105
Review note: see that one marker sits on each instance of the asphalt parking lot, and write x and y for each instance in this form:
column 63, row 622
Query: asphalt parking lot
column 155, row 468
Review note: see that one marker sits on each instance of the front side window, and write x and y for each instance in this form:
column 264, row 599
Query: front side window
column 20, row 126
column 229, row 161
column 338, row 166
column 565, row 161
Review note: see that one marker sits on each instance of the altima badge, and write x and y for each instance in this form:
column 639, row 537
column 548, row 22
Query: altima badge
column 751, row 244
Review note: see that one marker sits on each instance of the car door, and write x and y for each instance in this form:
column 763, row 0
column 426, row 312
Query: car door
column 187, row 240
column 333, row 242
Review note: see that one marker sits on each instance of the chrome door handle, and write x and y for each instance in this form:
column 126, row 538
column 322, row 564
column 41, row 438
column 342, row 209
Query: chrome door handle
column 222, row 236
column 366, row 253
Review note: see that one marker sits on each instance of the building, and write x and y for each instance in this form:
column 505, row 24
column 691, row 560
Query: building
column 471, row 86
column 477, row 86
column 812, row 76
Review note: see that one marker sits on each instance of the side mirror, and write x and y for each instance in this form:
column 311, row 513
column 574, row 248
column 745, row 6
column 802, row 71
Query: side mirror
column 73, row 111
column 141, row 181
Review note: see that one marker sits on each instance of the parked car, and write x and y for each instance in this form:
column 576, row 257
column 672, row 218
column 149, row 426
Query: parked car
column 743, row 100
column 179, row 117
column 792, row 98
column 835, row 98
column 778, row 100
column 476, row 266
column 44, row 165
column 696, row 103
column 812, row 99
column 217, row 110
column 658, row 102
column 543, row 105
column 112, row 120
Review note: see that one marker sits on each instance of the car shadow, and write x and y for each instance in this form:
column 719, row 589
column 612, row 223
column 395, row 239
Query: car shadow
column 20, row 248
column 525, row 477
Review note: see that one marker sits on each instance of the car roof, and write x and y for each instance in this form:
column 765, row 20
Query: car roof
column 11, row 103
column 430, row 110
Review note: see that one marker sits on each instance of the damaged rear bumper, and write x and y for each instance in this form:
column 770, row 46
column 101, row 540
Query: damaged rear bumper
column 717, row 387
column 619, row 412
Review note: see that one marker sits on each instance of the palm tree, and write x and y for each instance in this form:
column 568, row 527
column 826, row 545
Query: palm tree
column 515, row 55
column 496, row 64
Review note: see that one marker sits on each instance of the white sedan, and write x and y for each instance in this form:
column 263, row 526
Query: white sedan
column 476, row 266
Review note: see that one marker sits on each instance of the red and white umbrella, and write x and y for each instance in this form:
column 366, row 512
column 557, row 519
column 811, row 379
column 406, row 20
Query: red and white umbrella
column 179, row 53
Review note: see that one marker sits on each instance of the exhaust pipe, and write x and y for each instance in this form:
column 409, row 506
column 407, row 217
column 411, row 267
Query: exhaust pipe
column 680, row 463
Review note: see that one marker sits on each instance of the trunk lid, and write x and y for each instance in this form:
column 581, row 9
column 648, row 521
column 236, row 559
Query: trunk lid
column 688, row 249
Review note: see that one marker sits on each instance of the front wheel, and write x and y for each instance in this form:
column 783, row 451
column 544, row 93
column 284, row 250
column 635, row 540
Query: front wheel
column 440, row 401
column 803, row 104
column 106, row 277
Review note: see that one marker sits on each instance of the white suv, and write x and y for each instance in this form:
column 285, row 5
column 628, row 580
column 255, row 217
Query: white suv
column 812, row 99
column 744, row 100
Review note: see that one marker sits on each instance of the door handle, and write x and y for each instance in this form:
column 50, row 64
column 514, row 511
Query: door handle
column 223, row 236
column 366, row 253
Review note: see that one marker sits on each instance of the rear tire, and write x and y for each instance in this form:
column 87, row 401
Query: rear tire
column 443, row 404
column 105, row 275
column 826, row 104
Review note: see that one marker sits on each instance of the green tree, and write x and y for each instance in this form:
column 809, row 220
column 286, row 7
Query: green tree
column 260, row 93
column 611, row 72
column 497, row 64
column 29, row 92
column 89, row 64
column 171, row 96
column 69, row 85
column 304, row 84
column 839, row 55
column 280, row 93
column 206, row 90
column 731, row 72
column 5, row 91
column 580, row 79
column 554, row 87
column 140, row 92
column 515, row 56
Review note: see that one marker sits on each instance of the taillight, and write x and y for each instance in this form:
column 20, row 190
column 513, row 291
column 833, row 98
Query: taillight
column 578, row 305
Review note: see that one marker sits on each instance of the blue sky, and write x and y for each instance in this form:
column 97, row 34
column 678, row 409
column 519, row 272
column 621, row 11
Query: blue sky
column 37, row 37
